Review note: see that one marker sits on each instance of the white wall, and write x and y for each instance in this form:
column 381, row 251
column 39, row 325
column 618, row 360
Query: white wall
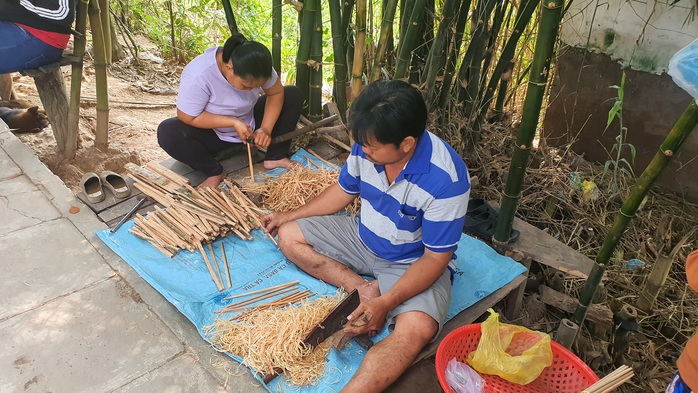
column 641, row 34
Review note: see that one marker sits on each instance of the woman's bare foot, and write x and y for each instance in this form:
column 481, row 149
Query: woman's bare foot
column 212, row 182
column 285, row 163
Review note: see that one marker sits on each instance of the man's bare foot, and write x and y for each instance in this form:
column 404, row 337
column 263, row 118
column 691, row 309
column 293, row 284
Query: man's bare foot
column 285, row 163
column 369, row 290
column 212, row 182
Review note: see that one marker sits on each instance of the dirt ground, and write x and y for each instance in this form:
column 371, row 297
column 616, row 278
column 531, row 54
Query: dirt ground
column 140, row 96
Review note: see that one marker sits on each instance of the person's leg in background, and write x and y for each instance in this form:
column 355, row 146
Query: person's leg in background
column 195, row 147
column 19, row 51
column 6, row 92
column 277, row 154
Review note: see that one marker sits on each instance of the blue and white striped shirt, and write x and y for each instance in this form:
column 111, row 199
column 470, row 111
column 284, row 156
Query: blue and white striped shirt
column 424, row 207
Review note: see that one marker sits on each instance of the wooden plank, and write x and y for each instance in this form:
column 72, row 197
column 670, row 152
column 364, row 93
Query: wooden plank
column 547, row 250
column 597, row 313
column 469, row 315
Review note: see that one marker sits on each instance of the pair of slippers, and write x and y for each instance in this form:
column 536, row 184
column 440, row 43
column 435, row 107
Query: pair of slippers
column 481, row 221
column 93, row 186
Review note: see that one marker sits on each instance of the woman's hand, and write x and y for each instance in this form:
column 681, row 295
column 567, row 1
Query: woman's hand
column 243, row 129
column 261, row 138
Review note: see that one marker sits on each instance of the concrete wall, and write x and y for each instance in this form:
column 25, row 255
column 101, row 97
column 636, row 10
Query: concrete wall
column 639, row 34
column 639, row 38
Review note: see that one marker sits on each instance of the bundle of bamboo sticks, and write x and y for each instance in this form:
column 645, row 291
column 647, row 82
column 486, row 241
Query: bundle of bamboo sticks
column 611, row 381
column 192, row 217
column 291, row 294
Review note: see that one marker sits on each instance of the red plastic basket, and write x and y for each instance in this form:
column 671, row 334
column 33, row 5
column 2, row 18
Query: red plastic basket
column 568, row 373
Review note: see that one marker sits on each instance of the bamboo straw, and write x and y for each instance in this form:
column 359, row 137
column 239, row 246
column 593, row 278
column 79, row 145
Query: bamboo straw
column 215, row 263
column 210, row 269
column 227, row 269
column 611, row 381
column 288, row 284
column 244, row 303
column 249, row 156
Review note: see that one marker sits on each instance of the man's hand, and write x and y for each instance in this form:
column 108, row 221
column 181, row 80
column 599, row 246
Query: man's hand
column 272, row 221
column 261, row 138
column 368, row 318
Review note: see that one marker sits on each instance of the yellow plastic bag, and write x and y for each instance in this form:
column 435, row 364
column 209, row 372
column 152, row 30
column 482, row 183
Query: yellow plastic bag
column 512, row 352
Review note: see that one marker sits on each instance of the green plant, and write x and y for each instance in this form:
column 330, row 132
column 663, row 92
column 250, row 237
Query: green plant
column 617, row 161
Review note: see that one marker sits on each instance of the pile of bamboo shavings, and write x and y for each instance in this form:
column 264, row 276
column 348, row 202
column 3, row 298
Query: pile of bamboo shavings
column 271, row 340
column 297, row 187
column 192, row 217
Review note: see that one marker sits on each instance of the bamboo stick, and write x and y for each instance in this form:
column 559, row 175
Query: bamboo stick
column 611, row 381
column 227, row 268
column 288, row 284
column 249, row 156
column 245, row 303
column 322, row 159
column 215, row 264
column 208, row 265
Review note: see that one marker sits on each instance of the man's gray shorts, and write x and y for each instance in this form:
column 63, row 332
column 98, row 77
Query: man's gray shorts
column 338, row 238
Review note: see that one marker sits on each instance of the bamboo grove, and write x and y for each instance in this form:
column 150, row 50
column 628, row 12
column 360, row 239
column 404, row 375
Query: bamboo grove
column 465, row 55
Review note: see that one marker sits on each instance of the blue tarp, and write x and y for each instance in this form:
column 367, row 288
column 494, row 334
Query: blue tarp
column 185, row 282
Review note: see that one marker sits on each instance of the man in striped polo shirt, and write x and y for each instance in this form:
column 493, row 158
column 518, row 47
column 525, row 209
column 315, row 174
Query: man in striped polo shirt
column 414, row 194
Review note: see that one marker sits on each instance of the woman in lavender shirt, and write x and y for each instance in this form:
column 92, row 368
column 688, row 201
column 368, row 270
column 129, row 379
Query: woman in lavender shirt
column 228, row 96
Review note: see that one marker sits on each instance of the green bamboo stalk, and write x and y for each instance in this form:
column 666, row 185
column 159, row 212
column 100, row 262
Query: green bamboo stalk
column 347, row 10
column 439, row 51
column 79, row 43
column 499, row 103
column 340, row 67
column 542, row 55
column 100, row 64
column 504, row 63
column 490, row 48
column 230, row 17
column 386, row 33
column 359, row 48
column 310, row 7
column 276, row 34
column 409, row 42
column 406, row 7
column 425, row 37
column 454, row 53
column 315, row 98
column 670, row 147
column 106, row 29
column 470, row 71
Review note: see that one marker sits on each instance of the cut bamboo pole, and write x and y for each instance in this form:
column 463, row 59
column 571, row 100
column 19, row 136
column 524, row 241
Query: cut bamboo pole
column 227, row 268
column 210, row 269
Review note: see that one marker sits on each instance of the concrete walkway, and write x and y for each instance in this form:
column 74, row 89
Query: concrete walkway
column 74, row 317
